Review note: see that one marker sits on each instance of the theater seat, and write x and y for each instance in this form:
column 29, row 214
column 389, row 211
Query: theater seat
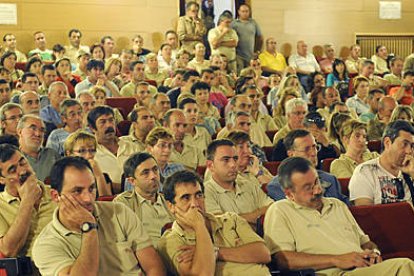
column 268, row 151
column 272, row 166
column 125, row 104
column 271, row 134
column 344, row 185
column 106, row 198
column 390, row 226
column 200, row 170
column 123, row 127
column 326, row 164
column 15, row 266
column 374, row 145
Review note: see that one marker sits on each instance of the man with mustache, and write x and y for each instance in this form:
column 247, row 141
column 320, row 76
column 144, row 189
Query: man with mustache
column 307, row 230
column 25, row 205
column 388, row 178
column 201, row 243
column 301, row 143
column 142, row 171
column 111, row 152
column 91, row 238
column 225, row 191
column 71, row 114
column 31, row 131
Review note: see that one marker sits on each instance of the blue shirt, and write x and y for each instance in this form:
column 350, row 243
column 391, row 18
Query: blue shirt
column 329, row 183
column 50, row 115
column 56, row 140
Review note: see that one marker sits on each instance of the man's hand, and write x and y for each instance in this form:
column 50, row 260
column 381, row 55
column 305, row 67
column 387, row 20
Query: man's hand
column 192, row 218
column 408, row 165
column 29, row 191
column 254, row 166
column 186, row 253
column 74, row 213
column 354, row 259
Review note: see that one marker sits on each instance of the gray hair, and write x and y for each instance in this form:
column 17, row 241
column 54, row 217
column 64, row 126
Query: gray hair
column 295, row 102
column 232, row 117
column 56, row 83
column 25, row 93
column 84, row 92
column 7, row 107
column 23, row 120
column 66, row 104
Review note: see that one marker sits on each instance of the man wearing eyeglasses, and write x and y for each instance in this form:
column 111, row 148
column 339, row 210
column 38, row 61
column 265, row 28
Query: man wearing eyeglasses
column 10, row 114
column 25, row 205
column 301, row 143
column 31, row 131
column 388, row 178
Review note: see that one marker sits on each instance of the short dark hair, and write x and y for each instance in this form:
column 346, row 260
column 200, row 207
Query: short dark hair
column 58, row 170
column 408, row 73
column 9, row 139
column 206, row 70
column 46, row 67
column 393, row 129
column 105, row 38
column 291, row 137
column 200, row 85
column 6, row 152
column 238, row 137
column 75, row 31
column 6, row 55
column 190, row 73
column 5, row 36
column 95, row 63
column 134, row 161
column 167, row 116
column 133, row 115
column 97, row 112
column 212, row 147
column 58, row 48
column 179, row 177
column 28, row 75
column 186, row 101
column 288, row 167
column 132, row 65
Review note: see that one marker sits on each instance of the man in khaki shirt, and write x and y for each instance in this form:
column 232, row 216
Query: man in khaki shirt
column 91, row 238
column 72, row 51
column 25, row 204
column 190, row 28
column 138, row 75
column 200, row 243
column 225, row 191
column 142, row 123
column 182, row 152
column 307, row 230
column 143, row 172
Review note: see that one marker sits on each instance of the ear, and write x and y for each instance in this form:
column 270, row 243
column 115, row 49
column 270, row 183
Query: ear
column 387, row 142
column 149, row 149
column 209, row 164
column 290, row 153
column 2, row 180
column 54, row 195
column 289, row 194
column 19, row 132
column 3, row 124
column 131, row 180
column 171, row 207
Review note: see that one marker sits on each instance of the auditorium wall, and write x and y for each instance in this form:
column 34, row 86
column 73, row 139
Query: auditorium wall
column 315, row 21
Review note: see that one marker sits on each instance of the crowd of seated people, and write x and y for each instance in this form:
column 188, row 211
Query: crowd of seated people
column 185, row 142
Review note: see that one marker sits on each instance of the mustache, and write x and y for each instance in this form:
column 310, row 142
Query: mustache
column 110, row 130
column 317, row 197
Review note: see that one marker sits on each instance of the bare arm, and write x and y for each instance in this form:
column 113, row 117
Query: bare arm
column 269, row 70
column 229, row 43
column 363, row 201
column 87, row 262
column 103, row 188
column 297, row 260
column 16, row 236
column 253, row 216
column 255, row 252
column 150, row 261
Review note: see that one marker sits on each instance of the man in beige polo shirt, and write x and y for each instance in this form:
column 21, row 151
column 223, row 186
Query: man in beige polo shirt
column 142, row 171
column 25, row 204
column 307, row 230
column 91, row 238
column 226, row 191
column 200, row 243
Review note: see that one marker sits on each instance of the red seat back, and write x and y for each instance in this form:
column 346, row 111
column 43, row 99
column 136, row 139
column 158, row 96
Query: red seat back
column 125, row 104
column 106, row 198
column 201, row 171
column 374, row 145
column 390, row 226
column 268, row 151
column 344, row 185
column 123, row 127
column 326, row 164
column 272, row 166
column 271, row 134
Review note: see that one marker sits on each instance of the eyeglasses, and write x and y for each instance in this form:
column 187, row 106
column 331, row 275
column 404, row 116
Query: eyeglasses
column 35, row 128
column 14, row 118
column 315, row 147
column 165, row 145
column 399, row 185
column 84, row 151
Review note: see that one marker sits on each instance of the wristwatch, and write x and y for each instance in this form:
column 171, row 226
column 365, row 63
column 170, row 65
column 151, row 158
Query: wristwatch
column 88, row 226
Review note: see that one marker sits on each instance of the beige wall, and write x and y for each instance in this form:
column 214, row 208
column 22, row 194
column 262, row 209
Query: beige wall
column 322, row 21
column 316, row 21
column 119, row 18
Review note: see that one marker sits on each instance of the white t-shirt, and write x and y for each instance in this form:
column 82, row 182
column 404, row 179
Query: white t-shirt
column 371, row 180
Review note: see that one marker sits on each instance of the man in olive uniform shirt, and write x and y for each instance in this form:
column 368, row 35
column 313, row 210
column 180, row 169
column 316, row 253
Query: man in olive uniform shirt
column 142, row 171
column 200, row 243
column 91, row 238
column 25, row 204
